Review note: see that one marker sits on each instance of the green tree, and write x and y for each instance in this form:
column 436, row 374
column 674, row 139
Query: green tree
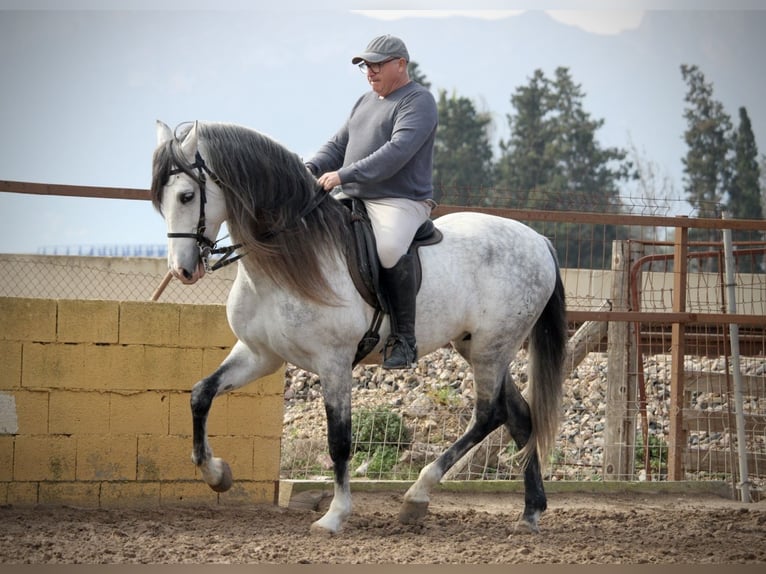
column 553, row 160
column 413, row 69
column 462, row 152
column 525, row 162
column 763, row 183
column 707, row 165
column 744, row 200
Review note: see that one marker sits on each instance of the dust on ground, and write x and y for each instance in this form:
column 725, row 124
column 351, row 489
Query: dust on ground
column 460, row 528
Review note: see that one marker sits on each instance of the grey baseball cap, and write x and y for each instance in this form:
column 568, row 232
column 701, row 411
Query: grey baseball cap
column 383, row 48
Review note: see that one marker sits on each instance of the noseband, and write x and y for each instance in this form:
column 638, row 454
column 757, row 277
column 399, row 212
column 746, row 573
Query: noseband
column 206, row 246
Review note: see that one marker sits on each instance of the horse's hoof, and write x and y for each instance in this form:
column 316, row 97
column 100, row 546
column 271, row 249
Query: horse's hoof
column 319, row 531
column 226, row 479
column 412, row 512
column 528, row 524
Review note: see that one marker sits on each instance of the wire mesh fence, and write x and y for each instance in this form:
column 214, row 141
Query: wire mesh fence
column 417, row 418
column 404, row 420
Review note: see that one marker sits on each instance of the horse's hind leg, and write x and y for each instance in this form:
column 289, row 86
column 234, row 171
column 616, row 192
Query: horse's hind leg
column 239, row 368
column 489, row 413
column 519, row 425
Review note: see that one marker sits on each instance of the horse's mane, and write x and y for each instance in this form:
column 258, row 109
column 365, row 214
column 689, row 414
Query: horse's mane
column 266, row 187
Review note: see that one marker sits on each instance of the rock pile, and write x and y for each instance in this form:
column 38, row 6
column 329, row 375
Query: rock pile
column 435, row 401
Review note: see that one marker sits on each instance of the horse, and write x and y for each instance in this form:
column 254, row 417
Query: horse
column 491, row 284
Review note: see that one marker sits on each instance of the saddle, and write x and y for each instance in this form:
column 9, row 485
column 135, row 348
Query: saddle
column 364, row 267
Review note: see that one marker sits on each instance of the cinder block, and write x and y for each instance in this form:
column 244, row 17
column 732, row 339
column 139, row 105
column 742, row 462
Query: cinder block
column 142, row 367
column 119, row 366
column 130, row 494
column 177, row 493
column 44, row 458
column 139, row 413
column 23, row 493
column 9, row 419
column 250, row 415
column 212, row 359
column 165, row 458
column 27, row 319
column 246, row 492
column 6, row 458
column 48, row 365
column 88, row 321
column 149, row 323
column 205, row 326
column 180, row 414
column 166, row 368
column 266, row 458
column 78, row 412
column 32, row 410
column 106, row 457
column 10, row 359
column 85, row 494
column 67, row 365
column 273, row 384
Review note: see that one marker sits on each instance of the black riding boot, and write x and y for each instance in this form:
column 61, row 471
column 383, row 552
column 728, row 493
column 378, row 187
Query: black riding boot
column 400, row 350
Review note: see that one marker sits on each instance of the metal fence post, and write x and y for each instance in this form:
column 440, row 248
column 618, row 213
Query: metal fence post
column 731, row 307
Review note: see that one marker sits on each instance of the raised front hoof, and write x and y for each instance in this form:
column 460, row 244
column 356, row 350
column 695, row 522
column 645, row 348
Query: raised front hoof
column 412, row 512
column 226, row 479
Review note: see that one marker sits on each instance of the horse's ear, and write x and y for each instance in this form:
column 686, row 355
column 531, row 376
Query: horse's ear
column 189, row 145
column 164, row 133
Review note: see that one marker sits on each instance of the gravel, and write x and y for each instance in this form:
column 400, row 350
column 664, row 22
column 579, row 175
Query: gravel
column 435, row 400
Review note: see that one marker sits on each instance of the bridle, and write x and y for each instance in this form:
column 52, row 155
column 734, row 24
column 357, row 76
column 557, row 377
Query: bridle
column 206, row 247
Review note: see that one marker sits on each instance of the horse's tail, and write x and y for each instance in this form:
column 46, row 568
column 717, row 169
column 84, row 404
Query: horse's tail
column 547, row 356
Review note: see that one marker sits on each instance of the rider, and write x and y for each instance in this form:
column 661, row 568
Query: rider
column 383, row 155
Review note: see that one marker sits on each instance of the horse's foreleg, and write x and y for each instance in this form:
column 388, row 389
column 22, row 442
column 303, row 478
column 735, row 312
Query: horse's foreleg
column 238, row 369
column 215, row 471
column 338, row 409
column 519, row 425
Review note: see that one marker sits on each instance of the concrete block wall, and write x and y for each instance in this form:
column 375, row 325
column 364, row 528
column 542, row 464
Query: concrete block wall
column 94, row 406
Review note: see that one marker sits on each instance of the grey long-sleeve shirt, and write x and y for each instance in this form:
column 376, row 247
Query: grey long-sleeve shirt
column 385, row 148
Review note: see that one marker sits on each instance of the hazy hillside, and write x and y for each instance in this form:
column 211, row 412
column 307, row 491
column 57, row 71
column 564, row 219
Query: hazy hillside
column 81, row 90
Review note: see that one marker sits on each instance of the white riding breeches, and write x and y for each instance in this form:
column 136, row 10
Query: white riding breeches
column 394, row 222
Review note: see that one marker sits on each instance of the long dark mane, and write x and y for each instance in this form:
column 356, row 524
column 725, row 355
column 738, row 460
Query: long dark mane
column 266, row 187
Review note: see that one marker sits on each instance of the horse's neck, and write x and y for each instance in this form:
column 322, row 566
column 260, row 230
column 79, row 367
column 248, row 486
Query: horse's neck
column 334, row 268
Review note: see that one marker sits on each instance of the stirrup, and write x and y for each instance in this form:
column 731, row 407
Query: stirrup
column 399, row 354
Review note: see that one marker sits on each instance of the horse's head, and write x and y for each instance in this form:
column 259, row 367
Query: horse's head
column 188, row 196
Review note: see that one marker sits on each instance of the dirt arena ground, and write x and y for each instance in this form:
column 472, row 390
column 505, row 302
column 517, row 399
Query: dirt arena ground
column 461, row 528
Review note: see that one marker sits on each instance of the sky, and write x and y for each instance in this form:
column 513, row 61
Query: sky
column 80, row 93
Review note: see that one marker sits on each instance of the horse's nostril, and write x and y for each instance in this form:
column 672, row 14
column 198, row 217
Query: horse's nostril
column 187, row 275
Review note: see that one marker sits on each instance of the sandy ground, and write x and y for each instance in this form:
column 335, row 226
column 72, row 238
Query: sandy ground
column 461, row 528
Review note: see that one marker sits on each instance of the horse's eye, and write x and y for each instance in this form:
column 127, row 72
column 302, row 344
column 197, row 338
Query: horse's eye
column 187, row 197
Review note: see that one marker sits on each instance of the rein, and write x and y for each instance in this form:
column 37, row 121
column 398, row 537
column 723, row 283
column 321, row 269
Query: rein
column 206, row 247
